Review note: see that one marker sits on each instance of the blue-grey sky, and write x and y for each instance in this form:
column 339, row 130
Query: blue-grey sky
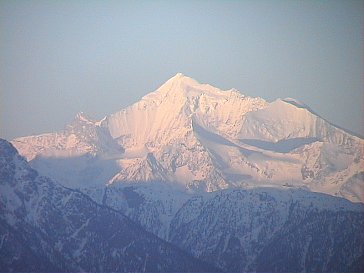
column 61, row 57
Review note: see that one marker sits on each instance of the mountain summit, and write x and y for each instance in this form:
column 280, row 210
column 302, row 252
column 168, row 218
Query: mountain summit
column 235, row 181
column 204, row 139
column 171, row 109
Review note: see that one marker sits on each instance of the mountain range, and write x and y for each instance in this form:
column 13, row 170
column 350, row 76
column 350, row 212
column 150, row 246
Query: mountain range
column 203, row 139
column 201, row 178
column 47, row 227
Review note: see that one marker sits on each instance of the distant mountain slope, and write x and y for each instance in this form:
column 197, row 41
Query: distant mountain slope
column 82, row 154
column 46, row 227
column 270, row 230
column 205, row 139
column 261, row 229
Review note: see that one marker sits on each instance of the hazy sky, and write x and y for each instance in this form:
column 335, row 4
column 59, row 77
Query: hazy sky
column 61, row 57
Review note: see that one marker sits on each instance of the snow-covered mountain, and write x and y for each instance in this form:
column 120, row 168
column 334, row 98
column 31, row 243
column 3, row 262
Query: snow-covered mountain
column 203, row 139
column 249, row 230
column 272, row 230
column 238, row 182
column 83, row 154
column 46, row 227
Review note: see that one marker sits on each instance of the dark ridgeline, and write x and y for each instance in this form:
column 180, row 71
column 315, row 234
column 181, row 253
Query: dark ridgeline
column 46, row 227
column 254, row 231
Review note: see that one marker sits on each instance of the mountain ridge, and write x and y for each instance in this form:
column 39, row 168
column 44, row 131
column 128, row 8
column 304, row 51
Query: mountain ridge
column 237, row 182
column 47, row 227
column 206, row 139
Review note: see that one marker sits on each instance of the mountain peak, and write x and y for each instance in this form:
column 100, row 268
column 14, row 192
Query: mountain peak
column 80, row 122
column 186, row 87
column 83, row 118
column 81, row 115
column 179, row 75
column 295, row 102
column 180, row 78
